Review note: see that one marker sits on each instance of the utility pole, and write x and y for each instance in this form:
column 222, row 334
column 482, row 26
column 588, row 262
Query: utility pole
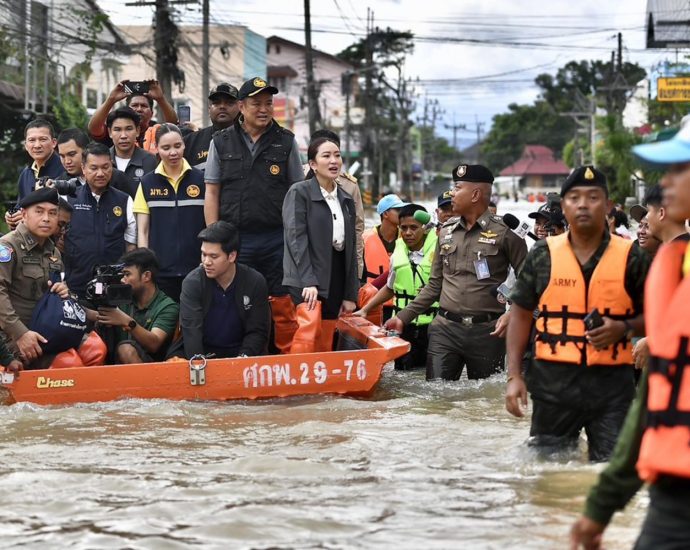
column 369, row 144
column 479, row 126
column 455, row 128
column 205, row 57
column 312, row 102
column 346, row 88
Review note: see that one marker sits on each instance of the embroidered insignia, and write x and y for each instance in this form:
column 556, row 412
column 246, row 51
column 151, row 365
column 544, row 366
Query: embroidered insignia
column 117, row 211
column 461, row 171
column 489, row 234
column 260, row 83
column 274, row 169
column 139, row 172
column 589, row 175
column 5, row 253
column 193, row 191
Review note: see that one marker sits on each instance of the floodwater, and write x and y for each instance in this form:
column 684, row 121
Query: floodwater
column 417, row 465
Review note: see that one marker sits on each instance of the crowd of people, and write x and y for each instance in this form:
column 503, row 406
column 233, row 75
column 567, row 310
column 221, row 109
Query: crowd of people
column 157, row 240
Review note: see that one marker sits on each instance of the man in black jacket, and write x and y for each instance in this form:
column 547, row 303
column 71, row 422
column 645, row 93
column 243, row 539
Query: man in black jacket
column 224, row 306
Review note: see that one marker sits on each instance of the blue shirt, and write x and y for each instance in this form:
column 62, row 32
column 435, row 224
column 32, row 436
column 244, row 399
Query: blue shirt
column 223, row 331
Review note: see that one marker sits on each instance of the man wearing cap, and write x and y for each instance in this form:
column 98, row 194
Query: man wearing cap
column 222, row 110
column 653, row 444
column 547, row 221
column 444, row 207
column 588, row 287
column 250, row 167
column 379, row 244
column 28, row 259
column 475, row 250
column 645, row 240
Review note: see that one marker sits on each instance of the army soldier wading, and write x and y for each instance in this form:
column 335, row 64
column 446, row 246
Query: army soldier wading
column 472, row 258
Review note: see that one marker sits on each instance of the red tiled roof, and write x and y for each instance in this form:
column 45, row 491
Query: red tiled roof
column 537, row 160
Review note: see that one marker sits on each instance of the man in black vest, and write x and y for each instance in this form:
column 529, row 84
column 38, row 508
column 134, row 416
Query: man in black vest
column 102, row 226
column 250, row 167
column 223, row 110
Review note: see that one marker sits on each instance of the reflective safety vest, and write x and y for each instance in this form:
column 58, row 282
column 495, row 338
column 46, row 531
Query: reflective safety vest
column 568, row 299
column 376, row 257
column 411, row 278
column 665, row 447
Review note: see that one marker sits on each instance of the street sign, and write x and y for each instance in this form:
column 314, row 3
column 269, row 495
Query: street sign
column 675, row 88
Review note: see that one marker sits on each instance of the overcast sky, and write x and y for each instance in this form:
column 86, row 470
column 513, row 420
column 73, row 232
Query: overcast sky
column 456, row 42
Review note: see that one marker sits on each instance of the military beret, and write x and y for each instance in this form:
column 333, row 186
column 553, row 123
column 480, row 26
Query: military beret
column 44, row 194
column 475, row 173
column 584, row 176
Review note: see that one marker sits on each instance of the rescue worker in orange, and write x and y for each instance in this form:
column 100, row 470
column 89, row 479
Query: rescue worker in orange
column 579, row 378
column 654, row 446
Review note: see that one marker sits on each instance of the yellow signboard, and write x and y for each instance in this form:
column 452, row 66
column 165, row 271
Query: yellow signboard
column 673, row 89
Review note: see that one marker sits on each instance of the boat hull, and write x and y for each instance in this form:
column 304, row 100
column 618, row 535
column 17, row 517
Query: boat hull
column 349, row 372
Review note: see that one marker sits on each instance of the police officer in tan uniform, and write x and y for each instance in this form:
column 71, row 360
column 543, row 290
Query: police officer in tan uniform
column 475, row 249
column 28, row 257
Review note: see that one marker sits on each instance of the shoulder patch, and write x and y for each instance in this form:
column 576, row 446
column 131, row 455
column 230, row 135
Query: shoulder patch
column 6, row 252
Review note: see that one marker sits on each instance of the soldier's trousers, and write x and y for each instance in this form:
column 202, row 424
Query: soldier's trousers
column 667, row 525
column 453, row 345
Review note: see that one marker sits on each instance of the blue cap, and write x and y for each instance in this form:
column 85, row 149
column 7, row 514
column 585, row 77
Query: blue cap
column 388, row 202
column 672, row 151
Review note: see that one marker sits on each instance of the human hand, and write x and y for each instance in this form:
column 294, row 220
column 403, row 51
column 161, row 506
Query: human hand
column 113, row 317
column 12, row 220
column 310, row 296
column 60, row 289
column 394, row 324
column 516, row 396
column 586, row 533
column 14, row 367
column 118, row 92
column 607, row 334
column 360, row 313
column 29, row 345
column 193, row 127
column 346, row 308
column 641, row 353
column 501, row 325
column 155, row 91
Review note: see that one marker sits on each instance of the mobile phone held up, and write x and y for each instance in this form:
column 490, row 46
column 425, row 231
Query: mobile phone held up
column 593, row 320
column 184, row 114
column 136, row 86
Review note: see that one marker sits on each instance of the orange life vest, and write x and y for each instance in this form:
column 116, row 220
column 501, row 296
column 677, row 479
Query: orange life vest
column 376, row 258
column 150, row 144
column 568, row 299
column 665, row 447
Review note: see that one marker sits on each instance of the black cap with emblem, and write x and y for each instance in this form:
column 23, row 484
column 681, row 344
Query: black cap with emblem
column 585, row 176
column 44, row 194
column 255, row 86
column 224, row 89
column 445, row 198
column 474, row 173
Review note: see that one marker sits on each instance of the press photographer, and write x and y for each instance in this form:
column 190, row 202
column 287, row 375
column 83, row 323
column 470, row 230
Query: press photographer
column 141, row 330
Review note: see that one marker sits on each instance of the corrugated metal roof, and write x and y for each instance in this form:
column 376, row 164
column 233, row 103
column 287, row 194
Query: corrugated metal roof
column 668, row 23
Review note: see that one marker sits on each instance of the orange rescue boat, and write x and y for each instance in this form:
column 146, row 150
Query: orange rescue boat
column 364, row 349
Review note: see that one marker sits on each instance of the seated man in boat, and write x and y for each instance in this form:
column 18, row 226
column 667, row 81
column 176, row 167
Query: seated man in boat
column 143, row 329
column 224, row 307
column 28, row 260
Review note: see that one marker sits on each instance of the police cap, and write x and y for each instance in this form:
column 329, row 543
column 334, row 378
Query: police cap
column 255, row 86
column 224, row 89
column 584, row 176
column 474, row 173
column 444, row 198
column 543, row 212
column 44, row 194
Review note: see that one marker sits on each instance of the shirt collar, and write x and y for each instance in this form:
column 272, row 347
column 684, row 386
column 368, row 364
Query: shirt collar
column 160, row 169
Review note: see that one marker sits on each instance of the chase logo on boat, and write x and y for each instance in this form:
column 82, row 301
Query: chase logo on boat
column 45, row 382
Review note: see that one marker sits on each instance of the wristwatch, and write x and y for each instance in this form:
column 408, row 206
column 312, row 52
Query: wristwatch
column 132, row 325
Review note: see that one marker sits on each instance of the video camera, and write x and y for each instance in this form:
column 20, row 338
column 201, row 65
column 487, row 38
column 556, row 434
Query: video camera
column 64, row 187
column 106, row 288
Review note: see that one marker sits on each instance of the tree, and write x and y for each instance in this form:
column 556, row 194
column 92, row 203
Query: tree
column 614, row 157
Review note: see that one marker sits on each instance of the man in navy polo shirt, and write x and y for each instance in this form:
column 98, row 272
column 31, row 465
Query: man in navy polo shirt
column 224, row 305
column 39, row 142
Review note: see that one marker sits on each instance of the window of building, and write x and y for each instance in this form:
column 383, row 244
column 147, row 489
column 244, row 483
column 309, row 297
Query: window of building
column 91, row 98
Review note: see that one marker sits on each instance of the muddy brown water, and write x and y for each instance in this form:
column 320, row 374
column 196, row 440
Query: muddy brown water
column 417, row 465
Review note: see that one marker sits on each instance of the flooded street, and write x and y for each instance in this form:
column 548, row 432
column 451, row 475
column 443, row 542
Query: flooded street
column 417, row 465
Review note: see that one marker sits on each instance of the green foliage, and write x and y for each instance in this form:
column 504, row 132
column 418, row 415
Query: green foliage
column 614, row 156
column 70, row 112
column 524, row 125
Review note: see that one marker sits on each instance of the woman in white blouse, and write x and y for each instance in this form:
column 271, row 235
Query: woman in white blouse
column 320, row 260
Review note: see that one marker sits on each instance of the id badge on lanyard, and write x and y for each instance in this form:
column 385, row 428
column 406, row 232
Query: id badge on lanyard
column 481, row 267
